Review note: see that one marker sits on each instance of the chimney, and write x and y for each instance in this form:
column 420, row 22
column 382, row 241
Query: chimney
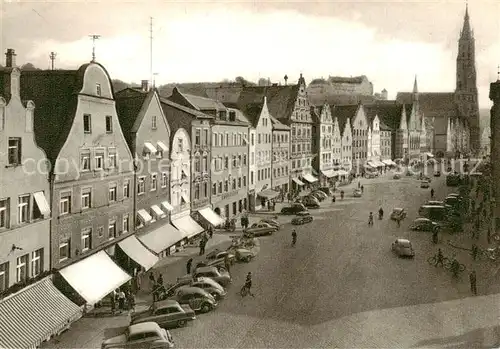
column 286, row 79
column 145, row 85
column 10, row 58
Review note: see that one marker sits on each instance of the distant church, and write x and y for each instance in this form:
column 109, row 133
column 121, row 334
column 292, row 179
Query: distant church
column 452, row 117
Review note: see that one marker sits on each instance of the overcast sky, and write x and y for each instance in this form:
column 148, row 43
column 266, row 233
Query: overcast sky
column 388, row 41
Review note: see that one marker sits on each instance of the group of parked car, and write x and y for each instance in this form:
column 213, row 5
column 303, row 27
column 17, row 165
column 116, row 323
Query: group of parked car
column 197, row 292
column 300, row 207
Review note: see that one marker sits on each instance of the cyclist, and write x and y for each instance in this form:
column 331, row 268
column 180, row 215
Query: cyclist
column 380, row 213
column 248, row 285
column 294, row 237
column 370, row 219
column 455, row 267
column 440, row 258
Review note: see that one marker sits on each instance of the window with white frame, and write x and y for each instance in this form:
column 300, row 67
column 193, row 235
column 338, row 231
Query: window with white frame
column 112, row 193
column 65, row 203
column 99, row 160
column 153, row 122
column 87, row 123
column 4, row 213
column 22, row 268
column 112, row 229
column 109, row 124
column 23, row 209
column 126, row 188
column 164, row 180
column 64, row 250
column 36, row 262
column 86, row 239
column 141, row 185
column 100, row 231
column 126, row 223
column 14, row 151
column 4, row 276
column 86, row 198
column 85, row 160
column 154, row 181
column 111, row 157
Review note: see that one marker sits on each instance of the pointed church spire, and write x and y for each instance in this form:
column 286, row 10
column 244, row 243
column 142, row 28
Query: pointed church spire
column 466, row 31
column 415, row 86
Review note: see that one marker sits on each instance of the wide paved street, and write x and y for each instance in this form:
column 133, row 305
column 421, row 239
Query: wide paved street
column 342, row 287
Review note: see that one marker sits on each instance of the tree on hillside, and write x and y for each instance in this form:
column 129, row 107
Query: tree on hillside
column 241, row 80
column 29, row 67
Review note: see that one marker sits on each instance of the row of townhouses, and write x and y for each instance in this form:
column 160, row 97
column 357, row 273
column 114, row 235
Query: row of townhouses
column 97, row 185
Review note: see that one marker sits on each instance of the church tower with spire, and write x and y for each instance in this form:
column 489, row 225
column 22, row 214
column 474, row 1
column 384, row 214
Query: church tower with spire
column 466, row 95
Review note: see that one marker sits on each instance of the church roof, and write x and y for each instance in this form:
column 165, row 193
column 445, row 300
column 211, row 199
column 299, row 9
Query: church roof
column 432, row 104
column 341, row 99
column 389, row 114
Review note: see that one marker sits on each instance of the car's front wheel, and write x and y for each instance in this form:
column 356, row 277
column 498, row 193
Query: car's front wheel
column 206, row 307
column 181, row 323
column 216, row 296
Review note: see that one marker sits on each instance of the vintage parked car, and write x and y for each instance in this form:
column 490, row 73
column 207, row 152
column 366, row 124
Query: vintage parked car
column 197, row 298
column 424, row 184
column 396, row 176
column 209, row 285
column 320, row 195
column 220, row 276
column 310, row 202
column 294, row 209
column 302, row 219
column 260, row 229
column 357, row 193
column 303, row 213
column 143, row 335
column 424, row 224
column 218, row 258
column 326, row 190
column 242, row 254
column 272, row 222
column 167, row 313
column 398, row 214
column 403, row 248
column 370, row 175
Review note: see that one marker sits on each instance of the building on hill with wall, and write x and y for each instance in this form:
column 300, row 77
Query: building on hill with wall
column 455, row 114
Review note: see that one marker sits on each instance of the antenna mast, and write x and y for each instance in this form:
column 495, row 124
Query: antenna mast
column 94, row 38
column 52, row 57
column 151, row 50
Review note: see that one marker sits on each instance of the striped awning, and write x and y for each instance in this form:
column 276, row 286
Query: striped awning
column 32, row 315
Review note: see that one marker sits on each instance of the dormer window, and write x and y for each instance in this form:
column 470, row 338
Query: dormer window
column 98, row 89
column 222, row 115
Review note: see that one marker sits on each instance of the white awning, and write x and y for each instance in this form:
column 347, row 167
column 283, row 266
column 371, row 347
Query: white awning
column 310, row 178
column 140, row 254
column 393, row 163
column 185, row 198
column 343, row 173
column 95, row 276
column 429, row 155
column 162, row 238
column 387, row 162
column 157, row 211
column 162, row 146
column 188, row 226
column 42, row 203
column 268, row 194
column 368, row 165
column 298, row 181
column 144, row 216
column 33, row 314
column 335, row 173
column 211, row 216
column 166, row 205
column 329, row 173
column 149, row 147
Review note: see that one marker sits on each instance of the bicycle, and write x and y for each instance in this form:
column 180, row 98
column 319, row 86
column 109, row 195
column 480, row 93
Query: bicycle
column 489, row 253
column 433, row 260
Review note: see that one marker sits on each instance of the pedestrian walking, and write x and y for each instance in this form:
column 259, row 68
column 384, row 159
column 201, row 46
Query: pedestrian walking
column 152, row 280
column 227, row 264
column 473, row 285
column 121, row 300
column 398, row 221
column 202, row 246
column 435, row 235
column 474, row 251
column 432, row 193
column 160, row 280
column 210, row 232
column 362, row 189
column 156, row 292
column 359, row 185
column 112, row 300
column 188, row 265
column 131, row 301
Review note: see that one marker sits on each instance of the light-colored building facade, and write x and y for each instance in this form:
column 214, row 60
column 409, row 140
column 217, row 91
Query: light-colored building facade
column 343, row 115
column 385, row 142
column 24, row 187
column 229, row 163
column 337, row 143
column 201, row 146
column 92, row 173
column 359, row 125
column 323, row 143
column 281, row 157
column 148, row 135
